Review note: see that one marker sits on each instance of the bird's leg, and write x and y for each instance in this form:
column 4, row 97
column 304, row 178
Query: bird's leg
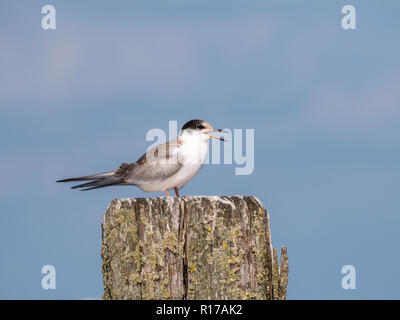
column 177, row 192
column 166, row 192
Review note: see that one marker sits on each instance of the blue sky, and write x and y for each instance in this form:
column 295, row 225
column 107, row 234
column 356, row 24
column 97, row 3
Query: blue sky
column 324, row 103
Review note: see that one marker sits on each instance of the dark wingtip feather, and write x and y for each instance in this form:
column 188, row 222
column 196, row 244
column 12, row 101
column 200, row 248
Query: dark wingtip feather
column 101, row 186
column 75, row 179
column 87, row 184
column 96, row 176
column 87, row 189
column 98, row 184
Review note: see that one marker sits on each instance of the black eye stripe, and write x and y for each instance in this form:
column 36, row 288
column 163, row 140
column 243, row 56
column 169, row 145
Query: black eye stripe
column 200, row 127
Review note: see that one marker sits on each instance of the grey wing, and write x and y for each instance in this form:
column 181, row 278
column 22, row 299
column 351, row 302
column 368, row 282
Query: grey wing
column 157, row 164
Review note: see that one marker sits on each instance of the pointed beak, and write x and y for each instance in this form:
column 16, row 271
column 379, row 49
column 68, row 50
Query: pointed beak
column 216, row 137
column 220, row 130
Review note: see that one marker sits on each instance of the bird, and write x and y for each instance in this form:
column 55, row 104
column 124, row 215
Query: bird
column 167, row 166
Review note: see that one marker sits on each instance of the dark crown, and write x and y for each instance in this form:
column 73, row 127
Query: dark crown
column 193, row 124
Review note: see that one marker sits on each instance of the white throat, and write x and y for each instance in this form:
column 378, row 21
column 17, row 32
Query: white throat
column 194, row 148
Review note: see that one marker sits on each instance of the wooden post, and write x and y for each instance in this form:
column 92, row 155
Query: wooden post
column 190, row 248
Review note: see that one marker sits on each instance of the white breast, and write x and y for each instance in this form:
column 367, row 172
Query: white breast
column 192, row 154
column 193, row 151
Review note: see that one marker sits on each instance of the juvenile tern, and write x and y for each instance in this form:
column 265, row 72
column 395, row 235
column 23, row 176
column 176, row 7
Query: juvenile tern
column 169, row 165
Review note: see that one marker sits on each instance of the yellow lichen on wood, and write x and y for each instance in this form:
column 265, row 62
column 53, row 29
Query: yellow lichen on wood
column 190, row 248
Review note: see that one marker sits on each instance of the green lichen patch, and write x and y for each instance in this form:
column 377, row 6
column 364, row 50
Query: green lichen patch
column 192, row 247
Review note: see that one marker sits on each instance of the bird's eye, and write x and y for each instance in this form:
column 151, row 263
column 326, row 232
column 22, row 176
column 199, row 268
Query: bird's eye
column 200, row 127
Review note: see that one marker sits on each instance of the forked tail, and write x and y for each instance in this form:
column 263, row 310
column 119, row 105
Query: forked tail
column 97, row 180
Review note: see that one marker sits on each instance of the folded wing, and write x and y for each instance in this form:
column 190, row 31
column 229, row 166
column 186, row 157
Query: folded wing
column 157, row 164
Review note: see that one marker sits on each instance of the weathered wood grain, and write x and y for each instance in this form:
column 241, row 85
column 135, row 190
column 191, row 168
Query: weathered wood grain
column 190, row 248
